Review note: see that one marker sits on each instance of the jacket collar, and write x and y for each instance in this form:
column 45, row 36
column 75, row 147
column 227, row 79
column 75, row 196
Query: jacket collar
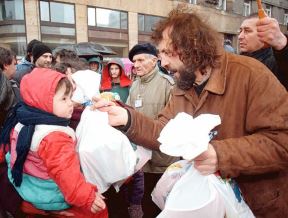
column 217, row 81
column 148, row 77
column 261, row 54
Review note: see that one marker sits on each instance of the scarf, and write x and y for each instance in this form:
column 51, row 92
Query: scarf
column 29, row 117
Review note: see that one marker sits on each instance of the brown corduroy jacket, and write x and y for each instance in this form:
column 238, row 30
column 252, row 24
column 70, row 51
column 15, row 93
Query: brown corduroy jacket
column 252, row 140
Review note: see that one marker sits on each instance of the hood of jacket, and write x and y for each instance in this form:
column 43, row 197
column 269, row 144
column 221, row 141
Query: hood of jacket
column 38, row 88
column 106, row 81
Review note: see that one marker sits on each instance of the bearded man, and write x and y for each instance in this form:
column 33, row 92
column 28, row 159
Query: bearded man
column 251, row 145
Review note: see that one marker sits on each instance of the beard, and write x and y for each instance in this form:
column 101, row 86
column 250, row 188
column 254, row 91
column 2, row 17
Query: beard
column 186, row 78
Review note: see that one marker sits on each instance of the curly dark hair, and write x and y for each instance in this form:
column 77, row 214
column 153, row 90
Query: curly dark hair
column 66, row 54
column 6, row 57
column 197, row 44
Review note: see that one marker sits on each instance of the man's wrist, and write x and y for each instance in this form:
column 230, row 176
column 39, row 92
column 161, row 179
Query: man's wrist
column 282, row 43
column 124, row 128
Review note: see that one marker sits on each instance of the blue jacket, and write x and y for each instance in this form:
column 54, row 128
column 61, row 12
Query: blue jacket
column 22, row 69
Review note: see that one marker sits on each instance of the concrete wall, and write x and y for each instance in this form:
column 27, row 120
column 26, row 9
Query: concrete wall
column 32, row 20
column 81, row 23
column 155, row 7
column 225, row 22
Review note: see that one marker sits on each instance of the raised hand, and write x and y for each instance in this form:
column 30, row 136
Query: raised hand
column 269, row 32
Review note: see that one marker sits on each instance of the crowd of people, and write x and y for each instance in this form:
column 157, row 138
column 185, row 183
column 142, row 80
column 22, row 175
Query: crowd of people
column 40, row 171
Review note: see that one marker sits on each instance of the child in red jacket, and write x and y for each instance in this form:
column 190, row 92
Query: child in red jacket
column 43, row 163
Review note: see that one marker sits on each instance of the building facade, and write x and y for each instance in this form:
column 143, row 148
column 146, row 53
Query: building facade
column 118, row 24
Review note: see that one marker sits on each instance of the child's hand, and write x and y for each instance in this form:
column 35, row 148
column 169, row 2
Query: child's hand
column 63, row 213
column 98, row 203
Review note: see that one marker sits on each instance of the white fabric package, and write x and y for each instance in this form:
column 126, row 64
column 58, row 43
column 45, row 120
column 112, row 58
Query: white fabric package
column 165, row 184
column 87, row 85
column 106, row 155
column 186, row 193
column 191, row 139
column 143, row 155
column 182, row 191
column 235, row 208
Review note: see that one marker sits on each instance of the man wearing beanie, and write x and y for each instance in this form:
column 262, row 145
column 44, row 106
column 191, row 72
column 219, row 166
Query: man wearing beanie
column 42, row 56
column 149, row 93
column 25, row 66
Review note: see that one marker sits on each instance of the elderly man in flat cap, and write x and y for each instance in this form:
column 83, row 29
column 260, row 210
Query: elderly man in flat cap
column 149, row 93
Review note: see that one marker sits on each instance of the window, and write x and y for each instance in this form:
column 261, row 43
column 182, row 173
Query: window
column 44, row 11
column 15, row 43
column 194, row 2
column 107, row 18
column 221, row 5
column 147, row 22
column 63, row 31
column 12, row 26
column 57, row 23
column 212, row 2
column 91, row 17
column 268, row 10
column 285, row 17
column 49, row 11
column 11, row 10
column 247, row 8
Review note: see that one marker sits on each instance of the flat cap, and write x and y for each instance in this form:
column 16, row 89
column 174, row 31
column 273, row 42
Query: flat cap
column 146, row 48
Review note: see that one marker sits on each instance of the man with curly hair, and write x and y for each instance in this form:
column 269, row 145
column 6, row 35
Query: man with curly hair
column 251, row 145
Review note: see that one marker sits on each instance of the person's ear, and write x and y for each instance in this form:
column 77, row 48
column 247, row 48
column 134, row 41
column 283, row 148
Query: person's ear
column 5, row 66
column 154, row 60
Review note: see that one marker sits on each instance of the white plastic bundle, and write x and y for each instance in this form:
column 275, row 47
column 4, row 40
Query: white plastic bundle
column 182, row 191
column 106, row 154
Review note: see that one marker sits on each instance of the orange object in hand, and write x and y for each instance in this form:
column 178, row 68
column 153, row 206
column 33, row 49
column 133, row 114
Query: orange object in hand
column 261, row 14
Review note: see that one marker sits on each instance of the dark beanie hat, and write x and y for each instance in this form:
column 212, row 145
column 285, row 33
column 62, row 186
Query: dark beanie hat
column 145, row 48
column 38, row 50
column 31, row 44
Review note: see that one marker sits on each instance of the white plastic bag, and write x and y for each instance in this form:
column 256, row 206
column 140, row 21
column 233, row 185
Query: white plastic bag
column 187, row 193
column 165, row 184
column 143, row 155
column 211, row 210
column 235, row 207
column 209, row 192
column 106, row 155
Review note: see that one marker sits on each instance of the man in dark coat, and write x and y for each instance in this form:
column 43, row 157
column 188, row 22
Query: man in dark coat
column 263, row 40
column 9, row 199
column 269, row 32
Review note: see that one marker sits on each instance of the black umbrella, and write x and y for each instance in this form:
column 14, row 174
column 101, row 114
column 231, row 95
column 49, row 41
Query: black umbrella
column 87, row 49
